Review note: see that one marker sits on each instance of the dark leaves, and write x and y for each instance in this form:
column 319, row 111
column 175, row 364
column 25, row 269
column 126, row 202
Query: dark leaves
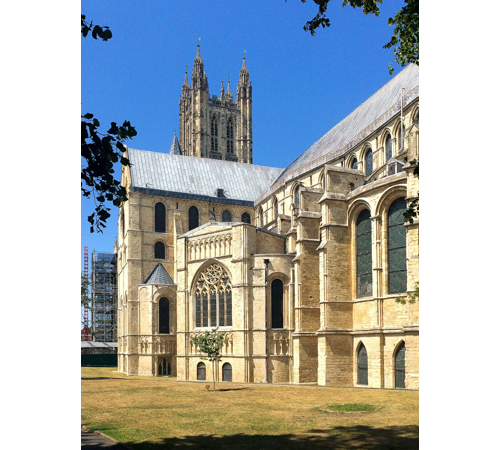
column 100, row 152
column 405, row 39
column 98, row 32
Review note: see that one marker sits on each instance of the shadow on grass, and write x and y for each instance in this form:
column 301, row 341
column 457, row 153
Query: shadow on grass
column 356, row 437
column 230, row 389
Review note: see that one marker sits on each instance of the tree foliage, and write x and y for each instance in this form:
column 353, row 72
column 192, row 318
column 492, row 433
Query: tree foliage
column 210, row 345
column 100, row 151
column 406, row 23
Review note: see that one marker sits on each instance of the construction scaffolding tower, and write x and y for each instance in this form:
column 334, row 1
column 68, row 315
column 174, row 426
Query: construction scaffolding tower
column 104, row 295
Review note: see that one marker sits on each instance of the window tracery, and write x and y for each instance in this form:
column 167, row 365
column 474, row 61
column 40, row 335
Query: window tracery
column 213, row 298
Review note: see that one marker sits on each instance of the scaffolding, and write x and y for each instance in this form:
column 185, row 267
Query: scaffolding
column 104, row 295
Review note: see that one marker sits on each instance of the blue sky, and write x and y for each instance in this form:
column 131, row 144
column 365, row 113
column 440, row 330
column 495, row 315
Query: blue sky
column 302, row 84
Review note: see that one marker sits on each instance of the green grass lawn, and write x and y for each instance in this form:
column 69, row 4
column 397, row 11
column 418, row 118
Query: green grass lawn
column 160, row 413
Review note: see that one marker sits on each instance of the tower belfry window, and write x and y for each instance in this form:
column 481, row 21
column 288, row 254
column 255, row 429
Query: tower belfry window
column 230, row 136
column 214, row 133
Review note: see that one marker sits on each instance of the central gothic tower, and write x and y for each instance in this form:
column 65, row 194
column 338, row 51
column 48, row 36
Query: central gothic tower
column 216, row 127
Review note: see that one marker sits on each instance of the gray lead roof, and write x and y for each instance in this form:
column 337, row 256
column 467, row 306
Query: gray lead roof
column 360, row 123
column 192, row 177
column 159, row 276
column 175, row 148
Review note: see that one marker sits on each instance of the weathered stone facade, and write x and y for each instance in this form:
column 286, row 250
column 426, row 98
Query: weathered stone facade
column 283, row 280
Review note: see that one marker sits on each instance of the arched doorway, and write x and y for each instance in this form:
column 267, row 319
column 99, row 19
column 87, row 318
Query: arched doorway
column 362, row 365
column 164, row 367
column 399, row 366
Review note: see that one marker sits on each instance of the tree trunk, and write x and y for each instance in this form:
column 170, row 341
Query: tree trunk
column 213, row 372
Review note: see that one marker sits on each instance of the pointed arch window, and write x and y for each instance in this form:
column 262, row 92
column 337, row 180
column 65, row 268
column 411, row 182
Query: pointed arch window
column 160, row 218
column 368, row 162
column 396, row 246
column 354, row 163
column 226, row 216
column 401, row 133
column 213, row 298
column 164, row 316
column 261, row 217
column 388, row 147
column 362, row 365
column 159, row 250
column 193, row 218
column 400, row 366
column 276, row 208
column 296, row 195
column 245, row 218
column 364, row 254
column 277, row 304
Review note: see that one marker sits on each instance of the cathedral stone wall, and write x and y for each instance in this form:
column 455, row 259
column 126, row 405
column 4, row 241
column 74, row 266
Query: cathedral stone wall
column 303, row 237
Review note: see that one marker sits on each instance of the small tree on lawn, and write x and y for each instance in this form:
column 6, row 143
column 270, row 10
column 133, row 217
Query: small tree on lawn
column 210, row 343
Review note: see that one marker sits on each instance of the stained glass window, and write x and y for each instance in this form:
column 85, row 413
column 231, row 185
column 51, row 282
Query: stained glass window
column 213, row 300
column 396, row 246
column 368, row 162
column 226, row 216
column 246, row 218
column 388, row 148
column 354, row 163
column 364, row 254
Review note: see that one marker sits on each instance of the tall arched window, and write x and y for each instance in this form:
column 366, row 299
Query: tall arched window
column 276, row 208
column 364, row 254
column 230, row 136
column 226, row 216
column 214, row 134
column 159, row 250
column 354, row 163
column 227, row 372
column 160, row 219
column 296, row 195
column 245, row 218
column 201, row 371
column 213, row 298
column 164, row 316
column 193, row 217
column 399, row 366
column 362, row 365
column 396, row 246
column 277, row 304
column 261, row 217
column 368, row 162
column 388, row 147
column 401, row 133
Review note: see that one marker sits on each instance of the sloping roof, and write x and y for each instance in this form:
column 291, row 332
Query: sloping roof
column 175, row 148
column 171, row 175
column 159, row 276
column 365, row 119
column 92, row 344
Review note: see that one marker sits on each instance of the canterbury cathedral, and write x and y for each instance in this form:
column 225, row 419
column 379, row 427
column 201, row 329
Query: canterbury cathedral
column 311, row 270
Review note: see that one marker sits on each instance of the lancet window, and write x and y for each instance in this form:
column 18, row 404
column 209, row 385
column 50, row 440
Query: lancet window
column 388, row 148
column 368, row 162
column 214, row 133
column 230, row 136
column 213, row 298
